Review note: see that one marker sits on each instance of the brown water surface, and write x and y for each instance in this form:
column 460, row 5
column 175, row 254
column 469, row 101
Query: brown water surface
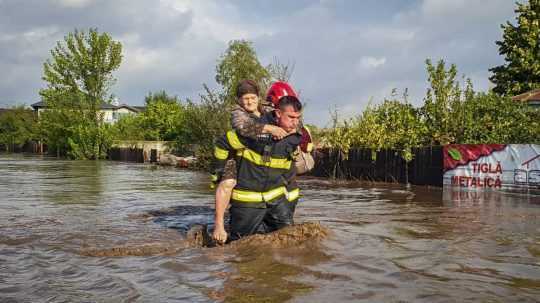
column 61, row 220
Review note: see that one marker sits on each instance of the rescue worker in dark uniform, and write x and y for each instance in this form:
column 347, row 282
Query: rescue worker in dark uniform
column 266, row 193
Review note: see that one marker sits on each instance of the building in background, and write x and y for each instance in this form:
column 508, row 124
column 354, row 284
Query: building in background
column 532, row 98
column 111, row 112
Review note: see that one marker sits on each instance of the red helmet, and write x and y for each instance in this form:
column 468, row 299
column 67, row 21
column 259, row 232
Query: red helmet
column 279, row 89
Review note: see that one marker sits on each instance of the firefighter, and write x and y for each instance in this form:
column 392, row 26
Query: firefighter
column 265, row 196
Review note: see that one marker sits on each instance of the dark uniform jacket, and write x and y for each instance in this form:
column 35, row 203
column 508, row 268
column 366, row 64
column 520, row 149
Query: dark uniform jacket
column 265, row 168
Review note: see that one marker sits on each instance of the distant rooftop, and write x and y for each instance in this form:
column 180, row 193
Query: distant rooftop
column 533, row 95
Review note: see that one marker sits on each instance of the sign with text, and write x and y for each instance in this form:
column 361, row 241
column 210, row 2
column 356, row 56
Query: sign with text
column 493, row 166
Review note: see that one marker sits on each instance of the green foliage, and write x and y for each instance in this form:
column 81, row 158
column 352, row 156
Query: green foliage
column 162, row 116
column 79, row 77
column 82, row 65
column 159, row 122
column 441, row 112
column 393, row 124
column 17, row 126
column 129, row 127
column 491, row 118
column 237, row 63
column 338, row 136
column 74, row 133
column 88, row 142
column 450, row 114
column 202, row 123
column 521, row 48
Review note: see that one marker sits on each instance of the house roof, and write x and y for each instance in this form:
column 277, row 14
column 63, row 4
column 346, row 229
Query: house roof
column 136, row 109
column 140, row 108
column 530, row 96
column 104, row 105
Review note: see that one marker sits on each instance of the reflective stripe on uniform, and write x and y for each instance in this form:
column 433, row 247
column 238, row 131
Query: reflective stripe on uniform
column 254, row 197
column 235, row 143
column 257, row 159
column 220, row 154
column 293, row 194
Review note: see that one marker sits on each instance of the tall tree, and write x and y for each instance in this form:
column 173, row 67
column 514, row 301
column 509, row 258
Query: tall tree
column 239, row 62
column 17, row 126
column 82, row 67
column 442, row 112
column 491, row 118
column 521, row 48
column 162, row 115
column 79, row 78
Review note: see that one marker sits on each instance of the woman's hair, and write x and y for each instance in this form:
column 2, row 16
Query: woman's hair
column 247, row 87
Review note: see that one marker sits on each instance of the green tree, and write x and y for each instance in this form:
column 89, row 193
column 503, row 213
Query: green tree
column 201, row 124
column 129, row 127
column 79, row 78
column 162, row 116
column 491, row 118
column 399, row 125
column 17, row 126
column 339, row 135
column 442, row 110
column 521, row 48
column 82, row 65
column 239, row 62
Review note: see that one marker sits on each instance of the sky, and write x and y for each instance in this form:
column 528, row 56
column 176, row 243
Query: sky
column 345, row 53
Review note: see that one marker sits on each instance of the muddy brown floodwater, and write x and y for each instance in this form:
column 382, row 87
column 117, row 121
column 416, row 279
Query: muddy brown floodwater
column 83, row 231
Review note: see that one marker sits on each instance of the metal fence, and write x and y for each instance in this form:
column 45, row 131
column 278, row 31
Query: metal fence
column 426, row 168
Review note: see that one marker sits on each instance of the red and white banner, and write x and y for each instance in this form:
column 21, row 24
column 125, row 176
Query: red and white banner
column 492, row 166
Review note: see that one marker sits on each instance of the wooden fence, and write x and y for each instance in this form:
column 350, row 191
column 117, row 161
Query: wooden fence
column 426, row 168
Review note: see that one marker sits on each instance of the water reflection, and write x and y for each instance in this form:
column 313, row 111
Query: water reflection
column 388, row 243
column 84, row 176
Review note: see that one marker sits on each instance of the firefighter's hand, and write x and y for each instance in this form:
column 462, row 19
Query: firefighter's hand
column 278, row 133
column 219, row 235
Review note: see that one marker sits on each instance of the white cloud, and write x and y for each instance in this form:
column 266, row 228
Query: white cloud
column 443, row 7
column 368, row 62
column 74, row 3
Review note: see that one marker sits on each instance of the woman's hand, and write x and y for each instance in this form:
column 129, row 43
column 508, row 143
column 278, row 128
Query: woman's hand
column 278, row 133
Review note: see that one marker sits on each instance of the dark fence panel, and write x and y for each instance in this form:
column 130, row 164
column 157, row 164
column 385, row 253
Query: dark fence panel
column 126, row 154
column 427, row 166
column 28, row 147
column 388, row 166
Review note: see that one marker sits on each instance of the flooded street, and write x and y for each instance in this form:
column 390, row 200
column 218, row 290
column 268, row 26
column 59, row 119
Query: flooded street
column 387, row 243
